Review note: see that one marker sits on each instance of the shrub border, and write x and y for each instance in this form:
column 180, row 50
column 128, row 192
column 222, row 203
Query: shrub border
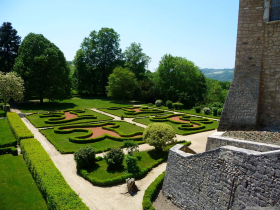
column 9, row 150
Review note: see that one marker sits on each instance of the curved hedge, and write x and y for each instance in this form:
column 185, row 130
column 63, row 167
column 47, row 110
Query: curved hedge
column 151, row 191
column 81, row 139
column 144, row 110
column 54, row 188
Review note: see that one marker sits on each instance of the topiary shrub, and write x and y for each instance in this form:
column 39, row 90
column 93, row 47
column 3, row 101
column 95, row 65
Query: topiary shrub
column 158, row 103
column 169, row 104
column 131, row 146
column 150, row 104
column 219, row 112
column 206, row 110
column 215, row 111
column 122, row 117
column 178, row 106
column 85, row 157
column 131, row 164
column 158, row 134
column 197, row 109
column 114, row 157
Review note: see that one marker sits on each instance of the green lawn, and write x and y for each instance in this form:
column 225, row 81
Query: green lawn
column 120, row 112
column 212, row 126
column 18, row 189
column 63, row 145
column 74, row 103
column 187, row 111
column 40, row 122
column 6, row 136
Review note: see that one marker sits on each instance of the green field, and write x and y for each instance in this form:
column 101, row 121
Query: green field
column 6, row 136
column 18, row 189
column 63, row 145
column 40, row 122
column 79, row 102
column 212, row 126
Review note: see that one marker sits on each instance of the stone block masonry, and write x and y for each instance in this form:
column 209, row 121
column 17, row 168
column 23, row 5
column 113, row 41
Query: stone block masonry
column 254, row 95
column 205, row 180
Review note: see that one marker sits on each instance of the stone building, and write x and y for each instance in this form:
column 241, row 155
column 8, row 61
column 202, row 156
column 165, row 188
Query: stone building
column 253, row 100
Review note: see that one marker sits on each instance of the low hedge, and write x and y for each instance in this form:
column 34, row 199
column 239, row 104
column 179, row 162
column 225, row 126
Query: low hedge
column 9, row 150
column 54, row 188
column 128, row 110
column 18, row 128
column 82, row 138
column 9, row 144
column 151, row 191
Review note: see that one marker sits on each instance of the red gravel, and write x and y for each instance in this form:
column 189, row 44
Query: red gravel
column 68, row 115
column 177, row 118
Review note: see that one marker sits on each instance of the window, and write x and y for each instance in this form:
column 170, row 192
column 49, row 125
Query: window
column 274, row 10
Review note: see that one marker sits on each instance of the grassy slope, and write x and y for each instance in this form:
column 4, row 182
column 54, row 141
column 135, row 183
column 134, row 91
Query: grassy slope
column 63, row 145
column 77, row 103
column 211, row 126
column 120, row 112
column 40, row 122
column 18, row 189
column 6, row 135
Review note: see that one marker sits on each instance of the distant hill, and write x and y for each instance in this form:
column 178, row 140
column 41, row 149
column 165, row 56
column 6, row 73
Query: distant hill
column 219, row 74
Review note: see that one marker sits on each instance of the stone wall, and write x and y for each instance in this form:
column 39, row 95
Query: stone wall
column 204, row 181
column 254, row 95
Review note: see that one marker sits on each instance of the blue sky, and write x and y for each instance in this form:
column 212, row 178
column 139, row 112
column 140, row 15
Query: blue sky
column 202, row 31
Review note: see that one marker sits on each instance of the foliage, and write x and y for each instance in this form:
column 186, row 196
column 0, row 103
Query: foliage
column 49, row 180
column 122, row 117
column 158, row 103
column 215, row 111
column 43, row 68
column 146, row 88
column 169, row 104
column 206, row 110
column 131, row 164
column 11, row 87
column 197, row 109
column 136, row 60
column 121, row 84
column 100, row 53
column 158, row 134
column 114, row 157
column 220, row 110
column 178, row 106
column 150, row 104
column 178, row 79
column 18, row 128
column 9, row 150
column 131, row 146
column 9, row 44
column 151, row 191
column 215, row 92
column 85, row 157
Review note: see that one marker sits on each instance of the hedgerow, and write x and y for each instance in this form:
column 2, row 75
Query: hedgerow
column 54, row 188
column 18, row 128
column 151, row 191
column 128, row 110
column 9, row 144
column 9, row 150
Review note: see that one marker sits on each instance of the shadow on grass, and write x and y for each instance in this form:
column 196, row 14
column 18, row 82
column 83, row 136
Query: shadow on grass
column 47, row 106
column 116, row 169
column 154, row 154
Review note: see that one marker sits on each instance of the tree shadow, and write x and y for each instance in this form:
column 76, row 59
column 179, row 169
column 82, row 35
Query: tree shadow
column 154, row 154
column 47, row 106
column 116, row 169
column 94, row 167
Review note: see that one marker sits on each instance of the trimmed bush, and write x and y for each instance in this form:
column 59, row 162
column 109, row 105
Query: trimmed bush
column 85, row 157
column 169, row 104
column 206, row 110
column 7, row 107
column 9, row 150
column 197, row 109
column 151, row 191
column 150, row 104
column 122, row 117
column 219, row 112
column 131, row 146
column 54, row 188
column 18, row 128
column 215, row 111
column 131, row 164
column 178, row 106
column 158, row 103
column 114, row 157
column 158, row 134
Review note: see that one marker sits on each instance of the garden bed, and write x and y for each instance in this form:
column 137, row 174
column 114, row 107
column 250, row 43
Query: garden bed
column 7, row 138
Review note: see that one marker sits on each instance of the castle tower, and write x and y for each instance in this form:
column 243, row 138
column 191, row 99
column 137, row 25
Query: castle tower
column 253, row 100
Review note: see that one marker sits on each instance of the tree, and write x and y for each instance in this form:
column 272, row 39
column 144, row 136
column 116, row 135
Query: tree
column 9, row 44
column 136, row 60
column 178, row 79
column 44, row 69
column 11, row 87
column 100, row 53
column 121, row 84
column 158, row 134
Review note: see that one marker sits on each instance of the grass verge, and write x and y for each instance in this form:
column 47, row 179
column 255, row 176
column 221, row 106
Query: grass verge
column 7, row 138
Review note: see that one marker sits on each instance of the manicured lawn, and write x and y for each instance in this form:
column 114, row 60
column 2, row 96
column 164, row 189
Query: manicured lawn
column 18, row 189
column 187, row 111
column 120, row 112
column 40, row 122
column 63, row 145
column 74, row 103
column 6, row 136
column 208, row 127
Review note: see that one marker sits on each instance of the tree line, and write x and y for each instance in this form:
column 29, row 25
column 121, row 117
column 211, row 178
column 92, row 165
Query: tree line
column 101, row 68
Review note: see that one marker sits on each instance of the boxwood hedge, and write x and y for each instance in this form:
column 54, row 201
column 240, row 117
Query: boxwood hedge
column 9, row 150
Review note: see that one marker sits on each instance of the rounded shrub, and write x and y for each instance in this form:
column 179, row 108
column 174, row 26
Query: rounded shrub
column 206, row 110
column 122, row 117
column 215, row 111
column 158, row 103
column 197, row 109
column 131, row 146
column 169, row 104
column 158, row 134
column 150, row 104
column 114, row 157
column 219, row 112
column 85, row 157
column 178, row 106
column 131, row 164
